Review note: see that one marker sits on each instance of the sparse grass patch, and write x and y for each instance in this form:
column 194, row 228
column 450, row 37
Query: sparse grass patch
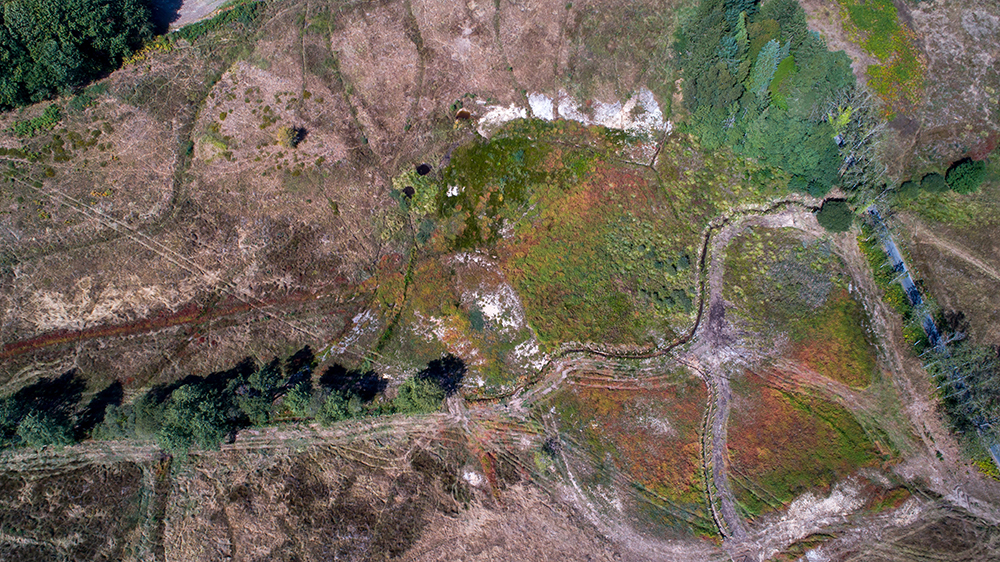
column 776, row 279
column 72, row 514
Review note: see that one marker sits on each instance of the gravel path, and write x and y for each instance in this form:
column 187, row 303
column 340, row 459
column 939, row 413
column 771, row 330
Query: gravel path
column 175, row 14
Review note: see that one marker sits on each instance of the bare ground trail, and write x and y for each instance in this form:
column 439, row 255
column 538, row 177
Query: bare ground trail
column 923, row 234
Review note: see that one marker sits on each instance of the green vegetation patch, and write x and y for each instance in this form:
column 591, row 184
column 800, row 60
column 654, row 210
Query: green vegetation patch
column 835, row 215
column 243, row 14
column 782, row 445
column 47, row 121
column 651, row 436
column 972, row 205
column 835, row 341
column 893, row 293
column 898, row 78
column 756, row 80
column 965, row 176
column 782, row 283
column 592, row 246
column 776, row 278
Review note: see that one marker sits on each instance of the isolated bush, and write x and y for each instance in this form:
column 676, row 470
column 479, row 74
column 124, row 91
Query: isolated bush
column 835, row 215
column 934, row 183
column 48, row 47
column 965, row 176
column 417, row 396
column 334, row 409
column 909, row 190
column 289, row 137
column 298, row 401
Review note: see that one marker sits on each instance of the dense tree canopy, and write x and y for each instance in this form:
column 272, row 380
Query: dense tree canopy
column 50, row 46
column 835, row 215
column 970, row 377
column 757, row 80
column 965, row 176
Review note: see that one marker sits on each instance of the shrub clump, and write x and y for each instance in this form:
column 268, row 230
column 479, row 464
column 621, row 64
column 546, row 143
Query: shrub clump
column 44, row 122
column 835, row 215
column 965, row 176
column 290, row 137
column 934, row 183
column 417, row 396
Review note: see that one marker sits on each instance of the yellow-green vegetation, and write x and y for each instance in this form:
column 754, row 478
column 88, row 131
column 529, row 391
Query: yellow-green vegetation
column 776, row 278
column 953, row 209
column 988, row 467
column 287, row 136
column 783, row 444
column 899, row 77
column 782, row 283
column 893, row 293
column 834, row 341
column 643, row 438
column 578, row 234
column 241, row 13
column 49, row 118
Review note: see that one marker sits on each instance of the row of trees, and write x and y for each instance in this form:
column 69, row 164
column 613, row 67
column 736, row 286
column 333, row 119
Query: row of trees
column 203, row 411
column 49, row 411
column 49, row 47
column 964, row 176
column 968, row 376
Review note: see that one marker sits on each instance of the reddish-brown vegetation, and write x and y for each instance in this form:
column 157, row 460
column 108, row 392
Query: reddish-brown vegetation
column 781, row 444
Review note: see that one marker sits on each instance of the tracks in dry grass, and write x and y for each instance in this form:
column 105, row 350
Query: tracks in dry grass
column 955, row 250
column 704, row 360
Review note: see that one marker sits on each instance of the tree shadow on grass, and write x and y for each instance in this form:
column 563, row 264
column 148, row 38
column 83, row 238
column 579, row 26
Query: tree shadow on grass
column 164, row 13
column 217, row 382
column 446, row 372
column 52, row 400
column 93, row 414
column 366, row 385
